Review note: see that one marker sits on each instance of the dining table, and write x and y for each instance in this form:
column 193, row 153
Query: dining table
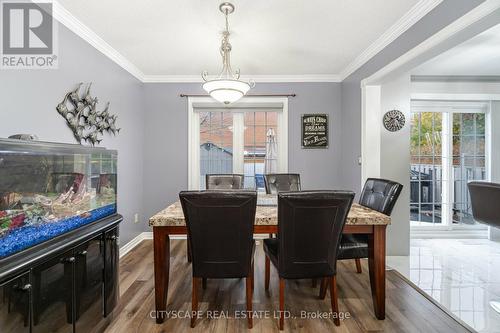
column 360, row 220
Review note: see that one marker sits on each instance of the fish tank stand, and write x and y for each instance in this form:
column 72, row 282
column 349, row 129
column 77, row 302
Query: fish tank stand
column 59, row 230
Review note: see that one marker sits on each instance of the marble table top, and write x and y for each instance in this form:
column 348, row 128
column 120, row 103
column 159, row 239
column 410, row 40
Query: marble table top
column 267, row 214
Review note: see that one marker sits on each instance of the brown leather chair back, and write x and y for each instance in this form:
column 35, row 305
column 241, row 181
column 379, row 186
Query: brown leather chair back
column 220, row 228
column 281, row 182
column 310, row 226
column 380, row 195
column 224, row 181
column 485, row 199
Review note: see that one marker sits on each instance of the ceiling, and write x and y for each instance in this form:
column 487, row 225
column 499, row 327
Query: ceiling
column 479, row 56
column 322, row 38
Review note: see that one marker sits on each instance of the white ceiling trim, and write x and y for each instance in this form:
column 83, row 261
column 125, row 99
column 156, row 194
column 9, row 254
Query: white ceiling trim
column 418, row 11
column 422, row 8
column 62, row 15
column 462, row 23
column 256, row 78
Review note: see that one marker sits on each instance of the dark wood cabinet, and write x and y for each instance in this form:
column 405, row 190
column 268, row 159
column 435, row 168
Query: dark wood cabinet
column 15, row 304
column 66, row 290
column 89, row 283
column 52, row 292
column 110, row 270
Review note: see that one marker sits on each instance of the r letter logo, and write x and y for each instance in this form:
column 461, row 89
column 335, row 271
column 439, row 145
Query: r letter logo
column 28, row 35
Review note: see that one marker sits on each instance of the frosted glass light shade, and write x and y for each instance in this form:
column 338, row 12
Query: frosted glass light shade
column 226, row 91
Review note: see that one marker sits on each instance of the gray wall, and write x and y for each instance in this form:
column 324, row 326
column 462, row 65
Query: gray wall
column 152, row 145
column 494, row 233
column 27, row 105
column 396, row 94
column 444, row 14
column 165, row 137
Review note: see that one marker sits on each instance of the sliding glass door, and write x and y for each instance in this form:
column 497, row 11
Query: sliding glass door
column 246, row 138
column 448, row 148
column 469, row 161
column 216, row 143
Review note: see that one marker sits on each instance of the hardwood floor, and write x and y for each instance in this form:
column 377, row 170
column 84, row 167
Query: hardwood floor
column 407, row 309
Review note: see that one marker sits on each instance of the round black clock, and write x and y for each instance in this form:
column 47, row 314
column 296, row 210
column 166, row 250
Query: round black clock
column 394, row 120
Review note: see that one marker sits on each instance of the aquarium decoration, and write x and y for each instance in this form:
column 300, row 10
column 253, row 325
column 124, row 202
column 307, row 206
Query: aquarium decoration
column 49, row 189
column 25, row 137
column 82, row 116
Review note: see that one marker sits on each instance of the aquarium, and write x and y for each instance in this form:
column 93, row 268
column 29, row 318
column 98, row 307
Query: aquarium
column 48, row 189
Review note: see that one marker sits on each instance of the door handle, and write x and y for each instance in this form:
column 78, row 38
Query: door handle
column 68, row 260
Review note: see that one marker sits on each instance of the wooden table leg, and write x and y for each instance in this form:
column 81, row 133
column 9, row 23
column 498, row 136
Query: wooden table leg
column 161, row 245
column 376, row 264
column 188, row 250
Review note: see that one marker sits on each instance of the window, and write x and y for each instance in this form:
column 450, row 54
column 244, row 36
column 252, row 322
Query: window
column 249, row 137
column 448, row 148
column 469, row 161
column 260, row 155
column 426, row 181
column 216, row 143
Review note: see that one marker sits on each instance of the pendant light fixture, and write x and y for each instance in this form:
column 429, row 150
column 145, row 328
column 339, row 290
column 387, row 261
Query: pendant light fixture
column 227, row 87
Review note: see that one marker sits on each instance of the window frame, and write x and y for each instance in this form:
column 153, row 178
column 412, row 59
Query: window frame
column 238, row 133
column 448, row 108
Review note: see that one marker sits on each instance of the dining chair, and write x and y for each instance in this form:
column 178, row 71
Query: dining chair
column 220, row 226
column 219, row 182
column 380, row 195
column 485, row 199
column 224, row 181
column 281, row 182
column 310, row 226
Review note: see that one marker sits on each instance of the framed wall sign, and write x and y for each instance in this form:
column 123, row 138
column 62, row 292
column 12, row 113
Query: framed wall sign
column 314, row 131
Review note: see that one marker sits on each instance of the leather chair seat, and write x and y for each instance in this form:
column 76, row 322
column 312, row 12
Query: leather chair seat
column 353, row 246
column 271, row 249
column 220, row 234
column 281, row 182
column 310, row 228
column 485, row 197
column 224, row 181
column 380, row 195
column 220, row 247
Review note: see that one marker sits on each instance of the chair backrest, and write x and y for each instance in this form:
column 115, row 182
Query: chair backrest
column 220, row 228
column 485, row 199
column 380, row 195
column 310, row 226
column 281, row 182
column 224, row 181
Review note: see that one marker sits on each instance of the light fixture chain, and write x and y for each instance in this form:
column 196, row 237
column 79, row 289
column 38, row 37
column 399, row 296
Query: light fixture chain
column 227, row 88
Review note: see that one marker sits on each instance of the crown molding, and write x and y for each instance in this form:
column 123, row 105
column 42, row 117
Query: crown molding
column 475, row 15
column 255, row 78
column 62, row 15
column 417, row 12
column 455, row 78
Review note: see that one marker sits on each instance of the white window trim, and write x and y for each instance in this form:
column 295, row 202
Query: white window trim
column 447, row 108
column 194, row 136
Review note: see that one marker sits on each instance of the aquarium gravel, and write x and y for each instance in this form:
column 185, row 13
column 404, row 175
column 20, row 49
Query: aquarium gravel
column 26, row 236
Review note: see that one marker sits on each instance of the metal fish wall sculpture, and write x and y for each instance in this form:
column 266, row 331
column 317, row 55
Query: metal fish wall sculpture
column 80, row 112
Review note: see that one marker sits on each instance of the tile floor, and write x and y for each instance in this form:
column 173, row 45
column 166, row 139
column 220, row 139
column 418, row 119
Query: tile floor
column 461, row 274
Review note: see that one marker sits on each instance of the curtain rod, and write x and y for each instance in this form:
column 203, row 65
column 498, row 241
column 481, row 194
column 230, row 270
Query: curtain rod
column 257, row 95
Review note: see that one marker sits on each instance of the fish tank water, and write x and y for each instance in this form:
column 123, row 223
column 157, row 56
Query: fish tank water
column 48, row 189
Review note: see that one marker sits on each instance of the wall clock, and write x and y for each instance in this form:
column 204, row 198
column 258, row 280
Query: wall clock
column 394, row 120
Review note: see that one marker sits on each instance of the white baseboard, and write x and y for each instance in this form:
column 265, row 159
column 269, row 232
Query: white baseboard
column 132, row 243
column 449, row 234
column 149, row 235
column 141, row 237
